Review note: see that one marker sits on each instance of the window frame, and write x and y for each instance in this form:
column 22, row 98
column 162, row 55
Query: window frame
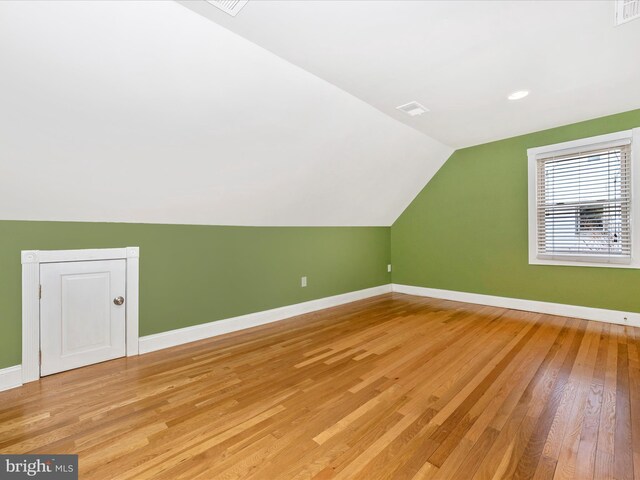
column 564, row 148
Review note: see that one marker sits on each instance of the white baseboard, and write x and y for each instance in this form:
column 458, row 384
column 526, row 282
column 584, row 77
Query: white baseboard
column 10, row 377
column 588, row 313
column 158, row 341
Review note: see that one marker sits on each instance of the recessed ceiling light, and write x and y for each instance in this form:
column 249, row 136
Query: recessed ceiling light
column 413, row 108
column 518, row 95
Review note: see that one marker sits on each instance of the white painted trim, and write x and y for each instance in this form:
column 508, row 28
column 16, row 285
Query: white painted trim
column 132, row 299
column 569, row 147
column 158, row 341
column 587, row 313
column 30, row 316
column 574, row 146
column 55, row 256
column 31, row 260
column 10, row 377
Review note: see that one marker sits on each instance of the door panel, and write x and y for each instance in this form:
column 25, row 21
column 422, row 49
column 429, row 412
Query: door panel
column 86, row 312
column 79, row 322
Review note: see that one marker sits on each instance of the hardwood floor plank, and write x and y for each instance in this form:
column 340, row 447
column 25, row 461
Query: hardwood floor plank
column 623, row 448
column 577, row 416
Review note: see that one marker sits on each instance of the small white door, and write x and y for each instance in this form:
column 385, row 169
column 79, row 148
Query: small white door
column 82, row 314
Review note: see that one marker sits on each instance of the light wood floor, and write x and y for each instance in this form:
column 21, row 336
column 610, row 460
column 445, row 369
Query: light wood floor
column 394, row 387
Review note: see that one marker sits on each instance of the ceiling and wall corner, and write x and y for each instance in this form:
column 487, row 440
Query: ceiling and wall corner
column 146, row 112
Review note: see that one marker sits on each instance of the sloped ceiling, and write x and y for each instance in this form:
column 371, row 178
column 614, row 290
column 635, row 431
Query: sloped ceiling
column 284, row 115
column 459, row 58
column 148, row 112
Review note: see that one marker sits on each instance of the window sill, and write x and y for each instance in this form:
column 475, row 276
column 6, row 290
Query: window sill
column 567, row 262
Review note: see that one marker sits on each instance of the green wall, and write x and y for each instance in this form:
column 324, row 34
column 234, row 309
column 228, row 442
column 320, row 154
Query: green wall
column 196, row 274
column 467, row 229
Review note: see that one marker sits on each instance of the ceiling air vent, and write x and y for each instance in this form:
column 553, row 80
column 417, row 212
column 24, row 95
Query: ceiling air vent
column 232, row 7
column 413, row 108
column 627, row 10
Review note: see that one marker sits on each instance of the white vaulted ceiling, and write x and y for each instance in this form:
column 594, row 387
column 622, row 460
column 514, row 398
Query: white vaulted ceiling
column 460, row 59
column 150, row 112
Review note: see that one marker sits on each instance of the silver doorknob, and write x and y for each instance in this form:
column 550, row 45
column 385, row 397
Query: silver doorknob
column 118, row 300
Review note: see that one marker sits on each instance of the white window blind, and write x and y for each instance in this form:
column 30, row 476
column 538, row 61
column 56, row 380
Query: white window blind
column 584, row 204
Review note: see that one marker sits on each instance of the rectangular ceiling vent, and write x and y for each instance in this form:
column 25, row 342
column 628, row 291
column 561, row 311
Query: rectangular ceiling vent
column 627, row 10
column 413, row 108
column 232, row 7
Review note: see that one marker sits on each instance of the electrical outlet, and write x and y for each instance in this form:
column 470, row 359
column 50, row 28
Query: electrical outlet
column 389, row 268
column 303, row 282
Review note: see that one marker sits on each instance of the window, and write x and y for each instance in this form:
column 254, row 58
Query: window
column 581, row 202
column 584, row 204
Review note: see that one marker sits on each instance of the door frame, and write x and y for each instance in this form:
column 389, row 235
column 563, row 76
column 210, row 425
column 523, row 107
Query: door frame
column 31, row 260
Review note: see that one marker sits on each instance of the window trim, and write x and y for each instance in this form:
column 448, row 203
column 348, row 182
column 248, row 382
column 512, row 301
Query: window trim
column 570, row 147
